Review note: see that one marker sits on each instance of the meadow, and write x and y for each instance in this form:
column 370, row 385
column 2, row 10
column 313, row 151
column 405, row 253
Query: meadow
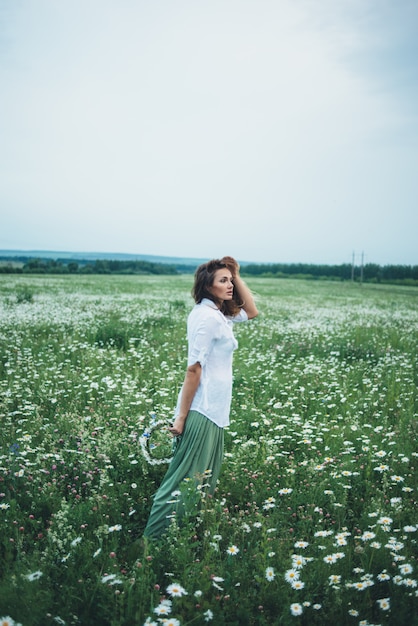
column 314, row 520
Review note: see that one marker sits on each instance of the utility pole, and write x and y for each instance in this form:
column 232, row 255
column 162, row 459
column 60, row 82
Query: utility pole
column 352, row 267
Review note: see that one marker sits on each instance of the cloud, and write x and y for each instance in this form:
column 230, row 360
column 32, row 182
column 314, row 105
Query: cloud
column 268, row 126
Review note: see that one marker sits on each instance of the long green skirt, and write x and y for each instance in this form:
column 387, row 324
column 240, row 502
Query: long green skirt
column 198, row 456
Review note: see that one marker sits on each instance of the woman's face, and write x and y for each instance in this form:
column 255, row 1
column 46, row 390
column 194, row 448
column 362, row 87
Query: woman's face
column 222, row 287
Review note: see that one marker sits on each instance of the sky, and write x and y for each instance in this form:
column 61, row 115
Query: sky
column 270, row 130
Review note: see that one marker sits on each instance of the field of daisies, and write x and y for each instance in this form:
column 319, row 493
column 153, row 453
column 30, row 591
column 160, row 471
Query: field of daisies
column 314, row 520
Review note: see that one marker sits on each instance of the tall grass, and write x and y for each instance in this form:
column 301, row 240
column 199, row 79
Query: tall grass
column 314, row 519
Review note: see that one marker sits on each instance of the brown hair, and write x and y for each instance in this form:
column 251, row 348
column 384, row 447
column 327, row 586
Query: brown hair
column 203, row 281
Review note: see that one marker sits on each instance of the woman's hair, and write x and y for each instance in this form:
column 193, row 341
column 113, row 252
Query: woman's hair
column 203, row 281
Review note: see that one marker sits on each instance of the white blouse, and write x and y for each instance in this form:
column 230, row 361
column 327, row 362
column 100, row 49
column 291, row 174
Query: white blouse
column 212, row 343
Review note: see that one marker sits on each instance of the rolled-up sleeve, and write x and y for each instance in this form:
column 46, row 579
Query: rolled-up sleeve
column 240, row 317
column 201, row 341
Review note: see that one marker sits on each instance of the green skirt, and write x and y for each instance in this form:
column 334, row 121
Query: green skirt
column 198, row 456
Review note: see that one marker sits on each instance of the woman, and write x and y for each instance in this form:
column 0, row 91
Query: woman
column 203, row 406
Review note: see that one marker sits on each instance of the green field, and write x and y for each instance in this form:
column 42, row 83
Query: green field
column 315, row 517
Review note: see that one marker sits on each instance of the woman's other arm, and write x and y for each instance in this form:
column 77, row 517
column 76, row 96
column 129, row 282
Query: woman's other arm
column 190, row 385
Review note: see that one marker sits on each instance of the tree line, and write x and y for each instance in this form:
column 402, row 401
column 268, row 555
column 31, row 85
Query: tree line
column 99, row 266
column 370, row 272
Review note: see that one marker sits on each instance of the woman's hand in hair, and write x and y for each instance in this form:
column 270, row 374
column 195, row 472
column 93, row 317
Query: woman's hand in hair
column 231, row 264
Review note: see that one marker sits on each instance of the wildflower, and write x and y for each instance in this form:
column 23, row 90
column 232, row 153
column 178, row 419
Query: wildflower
column 171, row 621
column 384, row 604
column 323, row 533
column 164, row 608
column 360, row 586
column 367, row 535
column 397, row 479
column 381, row 468
column 285, row 491
column 114, row 528
column 296, row 609
column 269, row 503
column 297, row 584
column 353, row 613
column 208, row 615
column 108, row 577
column 317, row 607
column 298, row 561
column 383, row 576
column 334, row 579
column 215, row 581
column 7, row 621
column 410, row 582
column 291, row 575
column 394, row 545
column 3, row 507
column 232, row 550
column 301, row 544
column 406, row 568
column 34, row 576
column 330, row 559
column 198, row 593
column 270, row 574
column 386, row 521
column 410, row 529
column 176, row 590
column 97, row 553
column 111, row 579
column 76, row 541
column 340, row 541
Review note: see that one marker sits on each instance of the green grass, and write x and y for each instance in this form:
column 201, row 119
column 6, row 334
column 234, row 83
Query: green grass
column 320, row 456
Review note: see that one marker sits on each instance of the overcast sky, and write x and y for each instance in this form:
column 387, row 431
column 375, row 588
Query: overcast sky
column 271, row 130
